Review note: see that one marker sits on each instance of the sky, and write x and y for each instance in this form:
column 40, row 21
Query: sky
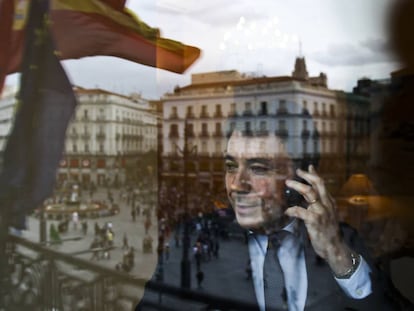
column 347, row 40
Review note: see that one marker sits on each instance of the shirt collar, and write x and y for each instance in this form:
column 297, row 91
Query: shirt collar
column 291, row 227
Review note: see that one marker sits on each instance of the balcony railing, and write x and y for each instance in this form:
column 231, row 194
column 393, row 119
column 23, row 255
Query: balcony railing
column 85, row 136
column 174, row 116
column 204, row 134
column 262, row 133
column 282, row 111
column 42, row 278
column 283, row 133
column 305, row 133
column 173, row 134
column 100, row 136
column 218, row 114
column 248, row 113
column 73, row 135
column 204, row 115
column 218, row 134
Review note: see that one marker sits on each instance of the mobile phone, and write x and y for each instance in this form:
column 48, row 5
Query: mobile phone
column 294, row 198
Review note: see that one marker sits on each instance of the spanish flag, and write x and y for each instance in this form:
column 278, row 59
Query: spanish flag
column 46, row 103
column 95, row 27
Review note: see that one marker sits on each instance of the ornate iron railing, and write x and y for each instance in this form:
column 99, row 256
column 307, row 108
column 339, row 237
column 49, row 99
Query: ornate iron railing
column 41, row 278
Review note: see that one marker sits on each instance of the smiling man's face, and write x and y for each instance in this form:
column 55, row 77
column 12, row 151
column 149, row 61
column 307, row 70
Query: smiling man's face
column 256, row 170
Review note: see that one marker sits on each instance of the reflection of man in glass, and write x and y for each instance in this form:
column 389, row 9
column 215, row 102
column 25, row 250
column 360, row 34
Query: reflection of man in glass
column 263, row 188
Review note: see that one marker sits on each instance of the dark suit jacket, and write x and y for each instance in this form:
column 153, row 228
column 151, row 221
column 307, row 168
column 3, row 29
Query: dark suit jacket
column 324, row 294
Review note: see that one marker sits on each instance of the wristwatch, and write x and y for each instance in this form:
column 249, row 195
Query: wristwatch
column 356, row 259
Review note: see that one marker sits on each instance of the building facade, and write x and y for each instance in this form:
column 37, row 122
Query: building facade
column 108, row 138
column 303, row 110
column 111, row 139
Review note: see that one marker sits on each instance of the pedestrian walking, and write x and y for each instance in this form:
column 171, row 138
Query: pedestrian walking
column 133, row 214
column 75, row 220
column 85, row 227
column 200, row 279
column 125, row 244
column 167, row 251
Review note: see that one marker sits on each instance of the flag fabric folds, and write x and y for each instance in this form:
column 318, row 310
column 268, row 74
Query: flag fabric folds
column 105, row 27
column 6, row 22
column 46, row 103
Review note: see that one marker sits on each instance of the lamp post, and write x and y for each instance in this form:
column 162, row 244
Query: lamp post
column 185, row 261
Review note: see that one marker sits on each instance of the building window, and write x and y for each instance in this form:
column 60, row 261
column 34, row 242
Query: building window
column 218, row 111
column 204, row 147
column 85, row 114
column 174, row 112
column 173, row 131
column 74, row 148
column 86, row 147
column 323, row 107
column 203, row 111
column 332, row 110
column 282, row 125
column 190, row 112
column 315, row 107
column 263, row 126
column 190, row 130
column 315, row 146
column 233, row 109
column 263, row 108
column 282, row 107
column 101, row 148
column 218, row 147
column 232, row 126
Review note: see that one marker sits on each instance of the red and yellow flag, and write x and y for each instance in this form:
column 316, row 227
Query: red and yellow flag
column 101, row 27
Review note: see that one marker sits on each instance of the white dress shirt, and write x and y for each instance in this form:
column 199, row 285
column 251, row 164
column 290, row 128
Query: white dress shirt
column 292, row 261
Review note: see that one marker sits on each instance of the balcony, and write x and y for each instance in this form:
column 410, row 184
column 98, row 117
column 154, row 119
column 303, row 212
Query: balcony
column 282, row 133
column 305, row 134
column 262, row 133
column 173, row 134
column 247, row 133
column 218, row 134
column 86, row 136
column 204, row 134
column 305, row 112
column 218, row 114
column 247, row 113
column 190, row 134
column 44, row 278
column 204, row 115
column 174, row 116
column 282, row 111
column 190, row 115
column 315, row 134
column 100, row 136
column 233, row 114
column 73, row 135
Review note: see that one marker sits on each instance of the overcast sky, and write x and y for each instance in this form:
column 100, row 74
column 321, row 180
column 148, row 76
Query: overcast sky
column 345, row 39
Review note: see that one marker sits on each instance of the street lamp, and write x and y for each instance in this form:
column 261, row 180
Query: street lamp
column 185, row 261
